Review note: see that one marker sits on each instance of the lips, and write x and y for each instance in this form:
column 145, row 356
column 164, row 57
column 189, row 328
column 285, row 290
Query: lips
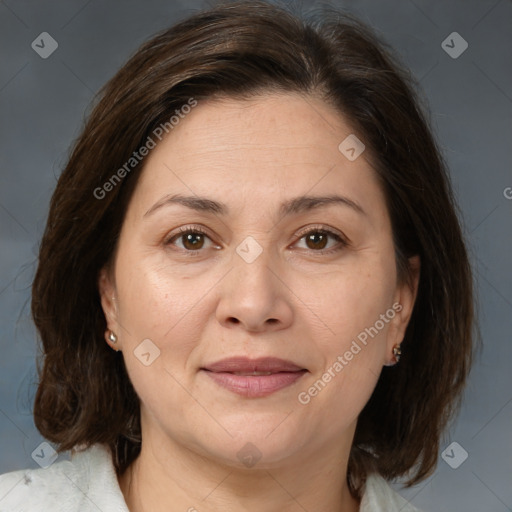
column 254, row 378
column 244, row 365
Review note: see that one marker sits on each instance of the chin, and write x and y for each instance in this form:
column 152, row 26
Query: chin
column 254, row 441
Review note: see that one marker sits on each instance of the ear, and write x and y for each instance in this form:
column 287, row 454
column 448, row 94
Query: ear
column 107, row 291
column 404, row 299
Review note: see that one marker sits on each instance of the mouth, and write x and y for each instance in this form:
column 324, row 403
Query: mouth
column 253, row 378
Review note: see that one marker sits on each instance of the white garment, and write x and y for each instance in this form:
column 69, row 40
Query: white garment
column 88, row 483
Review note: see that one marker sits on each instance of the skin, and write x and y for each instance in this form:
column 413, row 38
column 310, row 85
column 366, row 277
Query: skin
column 295, row 301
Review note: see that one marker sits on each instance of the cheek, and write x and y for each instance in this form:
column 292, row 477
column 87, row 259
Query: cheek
column 159, row 305
column 354, row 349
column 352, row 298
column 160, row 302
column 350, row 303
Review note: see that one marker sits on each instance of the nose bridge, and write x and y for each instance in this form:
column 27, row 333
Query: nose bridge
column 252, row 263
column 251, row 294
column 252, row 277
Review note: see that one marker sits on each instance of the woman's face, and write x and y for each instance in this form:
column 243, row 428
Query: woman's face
column 242, row 266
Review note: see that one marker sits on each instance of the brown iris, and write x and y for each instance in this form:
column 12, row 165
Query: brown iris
column 318, row 239
column 193, row 241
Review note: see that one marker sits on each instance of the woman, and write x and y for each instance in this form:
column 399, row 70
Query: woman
column 252, row 291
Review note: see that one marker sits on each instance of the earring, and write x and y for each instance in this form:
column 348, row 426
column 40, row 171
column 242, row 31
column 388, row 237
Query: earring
column 113, row 338
column 397, row 352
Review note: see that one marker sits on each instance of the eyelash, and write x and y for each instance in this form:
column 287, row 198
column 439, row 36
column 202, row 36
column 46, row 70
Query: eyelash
column 342, row 242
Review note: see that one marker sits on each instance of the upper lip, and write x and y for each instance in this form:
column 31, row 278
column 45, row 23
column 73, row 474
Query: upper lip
column 245, row 364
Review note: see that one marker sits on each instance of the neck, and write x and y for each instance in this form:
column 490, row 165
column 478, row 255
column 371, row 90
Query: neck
column 176, row 478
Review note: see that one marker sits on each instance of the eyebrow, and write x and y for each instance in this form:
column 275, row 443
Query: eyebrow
column 293, row 206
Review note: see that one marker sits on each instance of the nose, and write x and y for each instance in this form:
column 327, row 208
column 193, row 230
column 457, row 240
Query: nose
column 254, row 296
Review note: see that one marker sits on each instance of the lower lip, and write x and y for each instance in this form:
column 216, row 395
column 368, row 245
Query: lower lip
column 253, row 386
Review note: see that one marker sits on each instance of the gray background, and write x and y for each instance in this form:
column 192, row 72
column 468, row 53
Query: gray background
column 43, row 102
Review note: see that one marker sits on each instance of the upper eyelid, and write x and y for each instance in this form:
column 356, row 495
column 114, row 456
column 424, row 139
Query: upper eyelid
column 319, row 227
column 187, row 229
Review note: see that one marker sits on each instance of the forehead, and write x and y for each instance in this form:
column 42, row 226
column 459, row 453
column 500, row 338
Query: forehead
column 257, row 149
column 303, row 127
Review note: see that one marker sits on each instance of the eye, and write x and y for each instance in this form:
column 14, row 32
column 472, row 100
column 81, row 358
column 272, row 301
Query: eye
column 317, row 239
column 192, row 239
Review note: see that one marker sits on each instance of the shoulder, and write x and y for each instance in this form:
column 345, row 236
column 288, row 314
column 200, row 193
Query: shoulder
column 87, row 482
column 379, row 496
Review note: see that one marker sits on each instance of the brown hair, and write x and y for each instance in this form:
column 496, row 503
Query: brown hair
column 239, row 50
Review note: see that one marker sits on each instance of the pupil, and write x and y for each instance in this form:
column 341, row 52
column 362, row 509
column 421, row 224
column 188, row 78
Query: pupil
column 316, row 238
column 192, row 239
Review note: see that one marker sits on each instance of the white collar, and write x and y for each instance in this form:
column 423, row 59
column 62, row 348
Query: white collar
column 88, row 483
